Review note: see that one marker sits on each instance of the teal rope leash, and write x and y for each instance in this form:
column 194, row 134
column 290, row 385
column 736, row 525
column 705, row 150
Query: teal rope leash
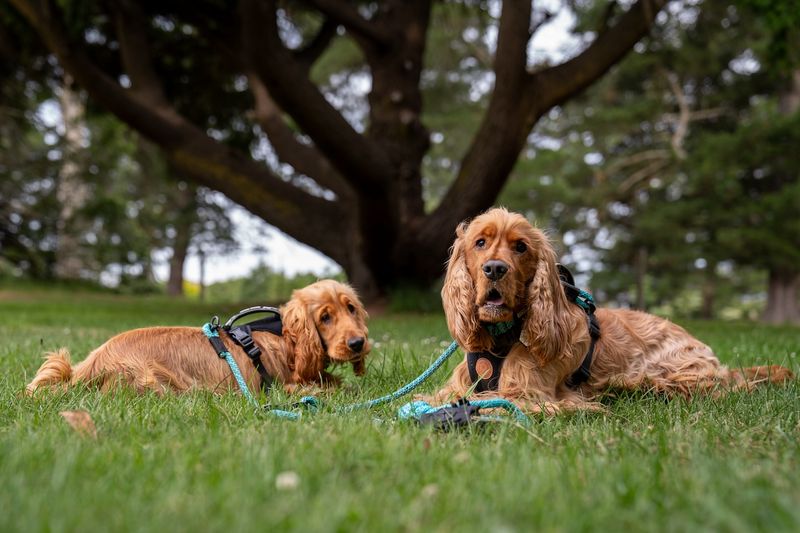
column 414, row 410
column 211, row 332
column 402, row 391
column 311, row 403
column 409, row 410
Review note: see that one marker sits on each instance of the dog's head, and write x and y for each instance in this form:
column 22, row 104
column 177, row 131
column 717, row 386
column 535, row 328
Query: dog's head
column 501, row 268
column 327, row 323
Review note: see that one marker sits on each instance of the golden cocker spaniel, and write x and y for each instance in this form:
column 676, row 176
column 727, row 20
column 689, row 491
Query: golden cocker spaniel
column 323, row 323
column 526, row 341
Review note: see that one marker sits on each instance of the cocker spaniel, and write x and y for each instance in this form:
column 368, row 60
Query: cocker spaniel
column 529, row 342
column 323, row 323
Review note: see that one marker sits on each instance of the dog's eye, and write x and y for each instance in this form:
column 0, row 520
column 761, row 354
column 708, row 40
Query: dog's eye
column 520, row 247
column 351, row 308
column 480, row 243
column 325, row 318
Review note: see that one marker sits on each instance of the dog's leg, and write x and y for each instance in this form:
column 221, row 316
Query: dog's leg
column 457, row 387
column 761, row 375
column 684, row 370
column 329, row 381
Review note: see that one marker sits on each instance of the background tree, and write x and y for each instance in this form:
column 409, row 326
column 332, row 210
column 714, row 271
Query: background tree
column 185, row 76
column 674, row 172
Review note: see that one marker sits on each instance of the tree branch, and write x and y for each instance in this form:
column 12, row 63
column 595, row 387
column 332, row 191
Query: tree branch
column 494, row 149
column 684, row 115
column 309, row 54
column 209, row 162
column 345, row 14
column 558, row 84
column 7, row 50
column 516, row 105
column 303, row 158
column 359, row 161
column 135, row 50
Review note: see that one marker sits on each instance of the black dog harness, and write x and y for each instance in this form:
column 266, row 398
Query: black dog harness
column 242, row 335
column 485, row 367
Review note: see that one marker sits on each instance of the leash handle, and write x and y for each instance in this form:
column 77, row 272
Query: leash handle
column 249, row 311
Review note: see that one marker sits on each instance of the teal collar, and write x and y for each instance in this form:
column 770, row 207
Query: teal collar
column 499, row 328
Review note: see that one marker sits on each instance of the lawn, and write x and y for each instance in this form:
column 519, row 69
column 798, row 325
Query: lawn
column 200, row 462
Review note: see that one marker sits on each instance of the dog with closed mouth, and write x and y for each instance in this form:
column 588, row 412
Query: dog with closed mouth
column 324, row 323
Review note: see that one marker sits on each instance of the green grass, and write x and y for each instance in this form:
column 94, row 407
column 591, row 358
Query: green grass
column 200, row 462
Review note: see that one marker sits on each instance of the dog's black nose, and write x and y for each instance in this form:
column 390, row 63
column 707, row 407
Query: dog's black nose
column 495, row 270
column 356, row 344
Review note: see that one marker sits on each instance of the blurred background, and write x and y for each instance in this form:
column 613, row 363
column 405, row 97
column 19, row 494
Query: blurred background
column 233, row 151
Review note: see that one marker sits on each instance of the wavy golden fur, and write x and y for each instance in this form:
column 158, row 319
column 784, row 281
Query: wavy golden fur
column 323, row 323
column 635, row 351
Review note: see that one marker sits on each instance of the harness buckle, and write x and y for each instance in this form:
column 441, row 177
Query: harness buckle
column 243, row 338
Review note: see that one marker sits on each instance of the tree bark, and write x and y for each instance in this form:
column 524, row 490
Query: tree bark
column 641, row 278
column 783, row 284
column 186, row 216
column 782, row 307
column 72, row 192
column 709, row 291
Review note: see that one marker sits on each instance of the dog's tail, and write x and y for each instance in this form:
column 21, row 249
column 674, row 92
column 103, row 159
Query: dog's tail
column 55, row 371
column 759, row 375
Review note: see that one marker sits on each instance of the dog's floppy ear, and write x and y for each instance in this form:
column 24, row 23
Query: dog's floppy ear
column 299, row 327
column 546, row 328
column 458, row 298
column 359, row 366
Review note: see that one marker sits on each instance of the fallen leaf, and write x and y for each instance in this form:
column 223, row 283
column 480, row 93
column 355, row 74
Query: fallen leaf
column 81, row 422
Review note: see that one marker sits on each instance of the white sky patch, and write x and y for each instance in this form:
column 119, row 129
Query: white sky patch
column 261, row 244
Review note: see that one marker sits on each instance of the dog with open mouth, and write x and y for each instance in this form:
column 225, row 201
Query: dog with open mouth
column 534, row 338
column 323, row 324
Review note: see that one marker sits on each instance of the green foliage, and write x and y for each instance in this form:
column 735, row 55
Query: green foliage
column 261, row 286
column 637, row 203
column 206, row 462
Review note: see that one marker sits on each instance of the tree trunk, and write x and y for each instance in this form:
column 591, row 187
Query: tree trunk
column 782, row 306
column 708, row 292
column 72, row 192
column 201, row 257
column 180, row 249
column 641, row 278
column 186, row 211
column 782, row 292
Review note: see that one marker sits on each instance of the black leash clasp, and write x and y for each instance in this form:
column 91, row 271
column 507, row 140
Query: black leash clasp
column 457, row 414
column 242, row 336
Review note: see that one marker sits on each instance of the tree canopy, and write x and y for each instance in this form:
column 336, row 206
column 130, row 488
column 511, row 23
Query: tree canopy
column 230, row 93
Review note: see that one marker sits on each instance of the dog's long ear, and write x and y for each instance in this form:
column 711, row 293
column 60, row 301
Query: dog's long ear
column 359, row 366
column 299, row 327
column 458, row 299
column 547, row 326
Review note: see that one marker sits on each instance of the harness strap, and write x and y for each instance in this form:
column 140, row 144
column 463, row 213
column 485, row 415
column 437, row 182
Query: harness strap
column 484, row 370
column 242, row 336
column 211, row 331
column 583, row 373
